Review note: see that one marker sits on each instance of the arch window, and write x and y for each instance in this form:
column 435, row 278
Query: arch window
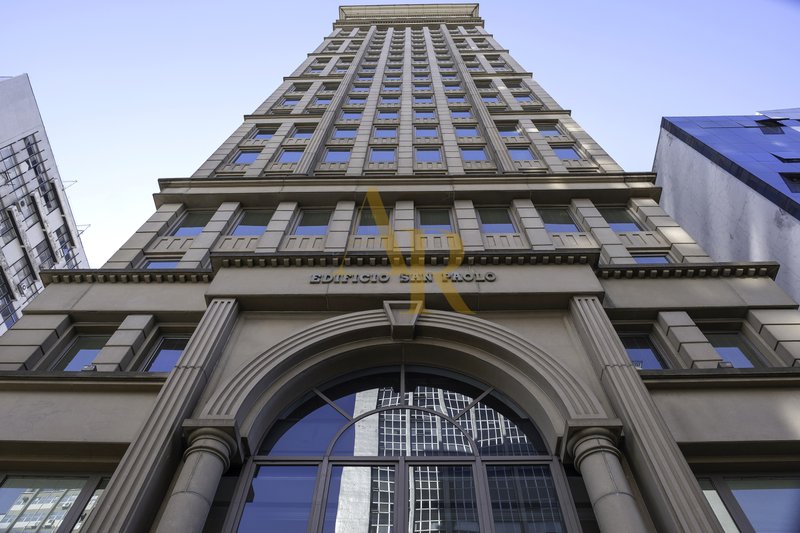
column 405, row 449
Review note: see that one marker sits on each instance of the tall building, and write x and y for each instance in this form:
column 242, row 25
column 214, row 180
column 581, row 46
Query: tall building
column 409, row 293
column 734, row 183
column 37, row 228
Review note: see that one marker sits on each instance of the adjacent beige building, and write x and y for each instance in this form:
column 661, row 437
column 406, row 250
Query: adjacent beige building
column 409, row 293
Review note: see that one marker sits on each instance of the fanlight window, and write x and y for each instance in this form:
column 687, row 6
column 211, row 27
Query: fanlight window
column 404, row 451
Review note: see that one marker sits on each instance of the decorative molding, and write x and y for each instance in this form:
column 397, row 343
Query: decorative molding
column 402, row 316
column 759, row 269
column 126, row 276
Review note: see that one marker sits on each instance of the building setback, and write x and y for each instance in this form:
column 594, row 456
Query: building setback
column 37, row 228
column 409, row 293
column 734, row 183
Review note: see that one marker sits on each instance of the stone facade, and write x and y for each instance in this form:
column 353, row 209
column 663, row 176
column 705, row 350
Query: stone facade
column 534, row 316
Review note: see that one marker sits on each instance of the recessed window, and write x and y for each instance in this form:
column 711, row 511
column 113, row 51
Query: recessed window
column 356, row 100
column 423, row 100
column 557, row 220
column 290, row 156
column 290, row 102
column 424, row 114
column 364, row 78
column 322, row 101
column 461, row 114
column 351, row 115
column 153, row 264
column 422, row 131
column 83, row 350
column 264, row 134
column 337, row 155
column 344, row 133
column 495, row 220
column 422, row 87
column 368, row 225
column 167, row 353
column 548, row 130
column 452, row 87
column 390, row 100
column 619, row 219
column 192, row 223
column 733, row 346
column 758, row 503
column 360, row 89
column 245, row 158
column 567, row 154
column 428, row 155
column 435, row 221
column 456, row 100
column 253, row 222
column 385, row 133
column 520, row 153
column 313, row 222
column 473, row 154
column 490, row 99
column 508, row 129
column 466, row 131
column 303, row 132
column 523, row 98
column 391, row 88
column 651, row 259
column 641, row 351
column 382, row 155
column 387, row 115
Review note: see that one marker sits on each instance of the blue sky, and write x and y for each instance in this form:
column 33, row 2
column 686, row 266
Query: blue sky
column 136, row 91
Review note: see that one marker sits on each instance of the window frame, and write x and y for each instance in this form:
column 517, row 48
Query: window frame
column 539, row 210
column 762, row 355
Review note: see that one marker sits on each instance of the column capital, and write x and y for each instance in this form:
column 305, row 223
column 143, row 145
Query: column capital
column 214, row 441
column 583, row 437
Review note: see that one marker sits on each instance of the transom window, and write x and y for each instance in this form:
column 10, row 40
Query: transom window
column 403, row 450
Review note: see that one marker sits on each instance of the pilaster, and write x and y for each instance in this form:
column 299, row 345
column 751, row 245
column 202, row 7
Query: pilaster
column 198, row 253
column 532, row 225
column 277, row 228
column 612, row 251
column 124, row 343
column 687, row 340
column 683, row 247
column 133, row 250
column 339, row 227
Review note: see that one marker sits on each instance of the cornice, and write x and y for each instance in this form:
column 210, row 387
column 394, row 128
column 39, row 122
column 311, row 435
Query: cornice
column 758, row 269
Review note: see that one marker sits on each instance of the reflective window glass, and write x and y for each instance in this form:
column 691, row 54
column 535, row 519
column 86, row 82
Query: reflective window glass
column 466, row 131
column 303, row 132
column 279, row 499
column 557, row 219
column 253, row 222
column 461, row 114
column 473, row 154
column 306, row 431
column 650, row 259
column 367, row 225
column 619, row 219
column 351, row 509
column 520, row 153
column 732, row 346
column 351, row 115
column 428, row 155
column 421, row 131
column 385, row 133
column 642, row 352
column 313, row 223
column 433, row 221
column 420, row 114
column 524, row 499
column 548, row 130
column 508, row 129
column 567, row 153
column 387, row 115
column 264, row 133
column 344, row 133
column 382, row 155
column 167, row 353
column 290, row 156
column 771, row 504
column 337, row 155
column 81, row 352
column 442, row 498
column 37, row 503
column 495, row 220
column 192, row 224
column 156, row 265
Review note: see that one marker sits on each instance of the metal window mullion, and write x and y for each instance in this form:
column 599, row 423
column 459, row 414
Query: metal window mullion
column 320, row 497
column 401, row 515
column 239, row 497
column 732, row 505
column 483, row 496
column 79, row 504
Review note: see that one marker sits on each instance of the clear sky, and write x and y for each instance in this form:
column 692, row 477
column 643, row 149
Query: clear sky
column 139, row 90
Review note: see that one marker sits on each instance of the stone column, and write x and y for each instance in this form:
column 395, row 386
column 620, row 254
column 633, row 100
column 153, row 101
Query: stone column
column 136, row 490
column 597, row 458
column 670, row 489
column 205, row 461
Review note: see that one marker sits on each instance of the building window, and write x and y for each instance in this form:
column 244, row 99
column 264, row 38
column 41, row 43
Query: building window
column 264, row 133
column 44, row 254
column 253, row 222
column 160, row 264
column 520, row 153
column 390, row 100
column 434, row 221
column 382, row 155
column 337, row 155
column 567, row 153
column 37, row 503
column 387, row 115
column 81, row 352
column 344, row 133
column 385, row 133
column 524, row 98
column 290, row 102
column 495, row 220
column 245, row 158
column 351, row 115
column 619, row 219
column 456, row 100
column 424, row 114
column 192, row 223
column 557, row 220
column 428, row 155
column 548, row 130
column 754, row 503
column 466, row 131
column 650, row 259
column 322, row 100
column 473, row 154
column 290, row 156
column 313, row 222
column 733, row 346
column 166, row 354
column 303, row 132
column 423, row 100
column 508, row 129
column 461, row 114
column 368, row 225
column 469, row 460
column 426, row 131
column 642, row 351
column 488, row 99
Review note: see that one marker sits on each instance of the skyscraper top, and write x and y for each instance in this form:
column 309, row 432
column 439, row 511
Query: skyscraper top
column 410, row 13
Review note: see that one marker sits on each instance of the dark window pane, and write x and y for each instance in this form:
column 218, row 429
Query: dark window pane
column 442, row 498
column 367, row 225
column 279, row 499
column 524, row 499
column 642, row 352
column 557, row 219
column 619, row 219
column 36, row 504
column 193, row 223
column 435, row 221
column 495, row 220
column 313, row 223
column 733, row 347
column 360, row 500
column 167, row 354
column 771, row 505
column 307, row 431
column 253, row 222
column 81, row 352
column 497, row 430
